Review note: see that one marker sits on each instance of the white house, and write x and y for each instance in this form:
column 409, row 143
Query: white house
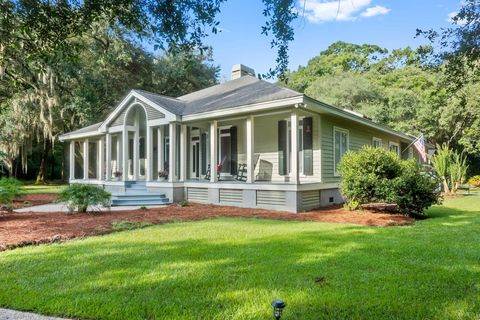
column 245, row 142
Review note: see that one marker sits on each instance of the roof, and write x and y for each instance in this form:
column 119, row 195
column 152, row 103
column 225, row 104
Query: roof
column 242, row 91
column 172, row 105
column 85, row 130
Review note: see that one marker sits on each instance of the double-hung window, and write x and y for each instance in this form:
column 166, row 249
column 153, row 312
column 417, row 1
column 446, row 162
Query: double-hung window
column 340, row 146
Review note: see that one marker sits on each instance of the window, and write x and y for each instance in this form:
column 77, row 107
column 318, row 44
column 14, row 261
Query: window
column 395, row 147
column 377, row 142
column 340, row 146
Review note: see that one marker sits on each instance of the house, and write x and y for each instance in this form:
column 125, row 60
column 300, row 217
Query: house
column 245, row 142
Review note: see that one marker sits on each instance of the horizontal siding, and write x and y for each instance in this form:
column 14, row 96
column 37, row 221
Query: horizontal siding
column 359, row 136
column 153, row 113
column 197, row 195
column 310, row 199
column 271, row 198
column 231, row 196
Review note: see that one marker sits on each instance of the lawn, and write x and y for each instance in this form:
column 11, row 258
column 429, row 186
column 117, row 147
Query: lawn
column 30, row 188
column 232, row 269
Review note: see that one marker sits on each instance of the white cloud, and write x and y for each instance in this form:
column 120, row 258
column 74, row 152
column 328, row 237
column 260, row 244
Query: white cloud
column 375, row 11
column 338, row 10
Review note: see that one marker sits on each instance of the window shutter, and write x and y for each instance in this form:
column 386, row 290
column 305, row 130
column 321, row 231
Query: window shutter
column 234, row 150
column 203, row 148
column 282, row 147
column 308, row 146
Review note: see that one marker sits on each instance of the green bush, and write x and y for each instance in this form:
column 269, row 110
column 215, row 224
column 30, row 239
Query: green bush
column 474, row 181
column 9, row 190
column 414, row 190
column 79, row 197
column 377, row 175
column 367, row 174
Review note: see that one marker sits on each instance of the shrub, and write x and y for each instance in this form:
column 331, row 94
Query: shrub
column 9, row 189
column 79, row 197
column 377, row 175
column 414, row 190
column 474, row 181
column 367, row 174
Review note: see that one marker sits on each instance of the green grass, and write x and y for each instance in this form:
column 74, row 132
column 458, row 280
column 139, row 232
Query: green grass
column 48, row 188
column 233, row 268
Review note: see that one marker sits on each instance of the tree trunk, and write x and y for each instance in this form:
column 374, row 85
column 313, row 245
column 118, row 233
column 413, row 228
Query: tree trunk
column 446, row 189
column 42, row 171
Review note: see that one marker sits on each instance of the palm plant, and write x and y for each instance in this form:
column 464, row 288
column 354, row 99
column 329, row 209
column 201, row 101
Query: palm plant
column 441, row 163
column 458, row 170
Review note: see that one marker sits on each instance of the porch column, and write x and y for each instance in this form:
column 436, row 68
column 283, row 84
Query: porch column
column 136, row 149
column 183, row 152
column 125, row 154
column 250, row 150
column 101, row 159
column 149, row 164
column 85, row 159
column 119, row 153
column 160, row 147
column 72, row 160
column 294, row 141
column 172, row 127
column 213, row 151
column 108, row 161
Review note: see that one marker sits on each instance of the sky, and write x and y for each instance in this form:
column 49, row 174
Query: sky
column 390, row 24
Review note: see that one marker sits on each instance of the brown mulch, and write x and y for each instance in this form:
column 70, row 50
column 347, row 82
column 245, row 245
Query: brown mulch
column 20, row 229
column 34, row 200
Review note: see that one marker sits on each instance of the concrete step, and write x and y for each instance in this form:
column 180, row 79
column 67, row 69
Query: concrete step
column 139, row 202
column 138, row 196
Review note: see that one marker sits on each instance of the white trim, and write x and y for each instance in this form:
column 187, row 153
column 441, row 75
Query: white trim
column 76, row 136
column 138, row 97
column 377, row 140
column 343, row 130
column 115, row 129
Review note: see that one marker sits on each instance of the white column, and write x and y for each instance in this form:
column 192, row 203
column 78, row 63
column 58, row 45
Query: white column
column 183, row 152
column 160, row 148
column 101, row 159
column 85, row 159
column 149, row 164
column 250, row 150
column 136, row 153
column 213, row 151
column 119, row 153
column 125, row 155
column 72, row 160
column 108, row 161
column 172, row 153
column 294, row 147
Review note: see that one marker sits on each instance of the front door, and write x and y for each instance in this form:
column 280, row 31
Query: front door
column 195, row 157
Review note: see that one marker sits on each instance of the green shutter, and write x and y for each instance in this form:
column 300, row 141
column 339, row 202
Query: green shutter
column 282, row 147
column 308, row 146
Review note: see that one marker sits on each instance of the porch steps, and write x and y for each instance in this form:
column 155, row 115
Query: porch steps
column 136, row 194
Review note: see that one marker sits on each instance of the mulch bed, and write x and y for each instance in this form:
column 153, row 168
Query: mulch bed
column 20, row 229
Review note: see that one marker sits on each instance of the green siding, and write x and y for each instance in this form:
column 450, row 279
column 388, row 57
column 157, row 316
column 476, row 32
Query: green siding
column 359, row 135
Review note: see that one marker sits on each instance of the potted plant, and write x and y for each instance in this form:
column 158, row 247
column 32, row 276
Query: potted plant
column 162, row 175
column 117, row 175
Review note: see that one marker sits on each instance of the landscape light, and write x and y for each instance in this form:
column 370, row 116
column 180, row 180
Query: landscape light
column 278, row 306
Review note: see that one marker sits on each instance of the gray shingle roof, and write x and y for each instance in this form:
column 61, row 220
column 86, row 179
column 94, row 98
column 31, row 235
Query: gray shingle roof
column 242, row 91
column 172, row 105
column 91, row 128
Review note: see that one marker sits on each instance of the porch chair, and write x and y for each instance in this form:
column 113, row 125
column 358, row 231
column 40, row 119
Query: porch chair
column 242, row 169
column 219, row 168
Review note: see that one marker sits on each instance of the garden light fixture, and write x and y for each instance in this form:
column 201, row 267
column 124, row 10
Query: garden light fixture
column 278, row 306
